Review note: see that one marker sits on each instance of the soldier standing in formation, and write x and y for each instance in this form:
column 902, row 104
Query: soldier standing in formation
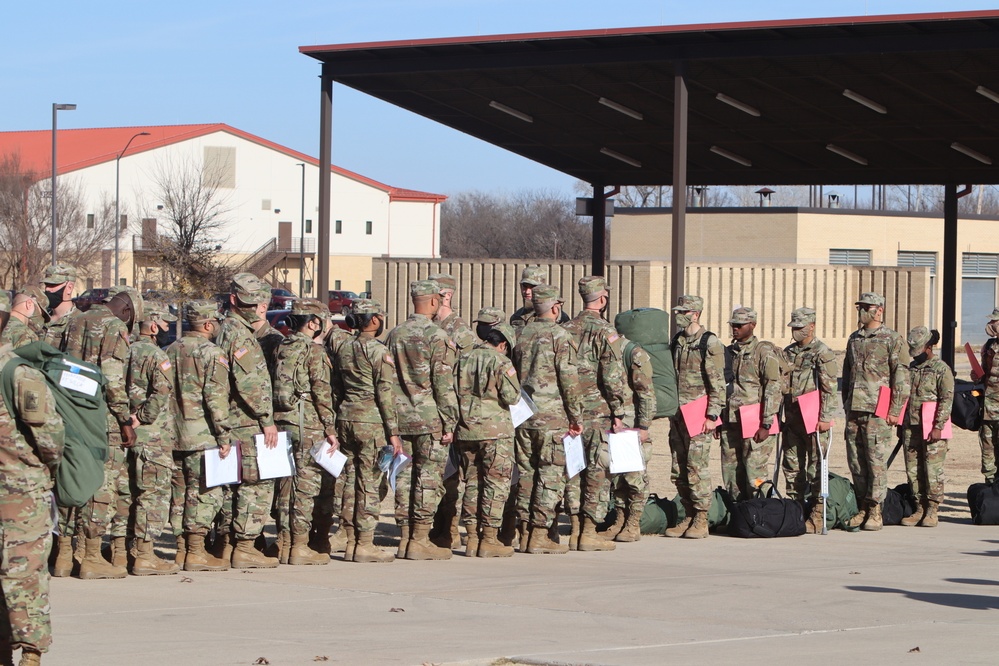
column 531, row 277
column 988, row 434
column 58, row 284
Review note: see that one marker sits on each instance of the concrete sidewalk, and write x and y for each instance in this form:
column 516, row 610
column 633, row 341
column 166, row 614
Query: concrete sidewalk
column 867, row 597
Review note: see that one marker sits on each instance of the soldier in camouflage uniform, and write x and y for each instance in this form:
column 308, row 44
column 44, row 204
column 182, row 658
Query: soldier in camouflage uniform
column 101, row 336
column 200, row 374
column 932, row 381
column 699, row 359
column 487, row 386
column 876, row 356
column 31, row 446
column 428, row 412
column 19, row 331
column 813, row 368
column 250, row 413
column 150, row 462
column 58, row 284
column 333, row 496
column 545, row 359
column 365, row 382
column 270, row 340
column 303, row 406
column 988, row 434
column 605, row 394
column 530, row 278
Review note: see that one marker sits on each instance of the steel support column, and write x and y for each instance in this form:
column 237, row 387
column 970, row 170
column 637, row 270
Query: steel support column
column 948, row 330
column 679, row 183
column 599, row 229
column 325, row 178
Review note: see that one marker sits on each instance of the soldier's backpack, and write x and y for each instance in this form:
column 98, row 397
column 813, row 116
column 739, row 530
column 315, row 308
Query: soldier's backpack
column 702, row 345
column 767, row 517
column 899, row 503
column 785, row 365
column 841, row 505
column 290, row 359
column 983, row 500
column 648, row 328
column 78, row 389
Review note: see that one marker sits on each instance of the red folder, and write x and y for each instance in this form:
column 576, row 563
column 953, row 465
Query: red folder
column 929, row 415
column 884, row 403
column 749, row 417
column 694, row 415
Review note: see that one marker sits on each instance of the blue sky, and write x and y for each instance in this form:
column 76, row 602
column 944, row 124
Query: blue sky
column 238, row 63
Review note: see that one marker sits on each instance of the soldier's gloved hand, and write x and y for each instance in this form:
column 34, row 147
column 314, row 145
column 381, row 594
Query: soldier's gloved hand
column 823, row 426
column 270, row 436
column 617, row 425
column 935, row 435
column 447, row 438
column 575, row 430
column 333, row 442
column 396, row 442
column 761, row 434
column 127, row 435
column 224, row 449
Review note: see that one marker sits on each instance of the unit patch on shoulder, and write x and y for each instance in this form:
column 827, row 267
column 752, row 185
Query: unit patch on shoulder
column 241, row 352
column 165, row 366
column 512, row 371
column 388, row 359
column 223, row 360
column 615, row 337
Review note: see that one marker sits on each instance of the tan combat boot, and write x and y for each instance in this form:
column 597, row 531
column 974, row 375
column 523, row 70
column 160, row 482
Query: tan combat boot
column 367, row 551
column 351, row 547
column 80, row 551
column 245, row 556
column 181, row 551
column 455, row 533
column 223, row 546
column 913, row 520
column 284, row 544
column 873, row 522
column 147, row 563
column 858, row 519
column 815, row 523
column 490, row 545
column 301, row 554
column 614, row 528
column 400, row 553
column 930, row 518
column 523, row 536
column 198, row 559
column 472, row 540
column 420, row 547
column 590, row 541
column 95, row 567
column 319, row 535
column 64, row 558
column 119, row 551
column 632, row 527
column 30, row 658
column 338, row 542
column 698, row 526
column 573, row 533
column 540, row 544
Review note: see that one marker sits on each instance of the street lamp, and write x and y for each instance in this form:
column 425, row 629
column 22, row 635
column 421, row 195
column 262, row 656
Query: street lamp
column 301, row 240
column 117, row 216
column 56, row 108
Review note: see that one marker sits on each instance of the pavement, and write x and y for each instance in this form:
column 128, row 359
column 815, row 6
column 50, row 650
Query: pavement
column 899, row 596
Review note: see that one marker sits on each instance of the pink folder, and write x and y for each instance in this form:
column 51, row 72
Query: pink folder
column 929, row 415
column 884, row 403
column 749, row 417
column 810, row 404
column 694, row 414
column 976, row 367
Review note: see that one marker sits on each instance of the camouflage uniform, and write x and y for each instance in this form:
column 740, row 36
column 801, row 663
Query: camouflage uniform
column 487, row 386
column 56, row 275
column 200, row 375
column 874, row 358
column 745, row 463
column 531, row 276
column 545, row 358
column 932, row 380
column 270, row 340
column 17, row 334
column 988, row 434
column 632, row 488
column 813, row 367
column 27, row 464
column 604, row 391
column 425, row 407
column 698, row 373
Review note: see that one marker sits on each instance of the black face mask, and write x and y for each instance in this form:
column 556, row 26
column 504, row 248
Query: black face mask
column 55, row 297
column 162, row 337
column 381, row 327
column 919, row 360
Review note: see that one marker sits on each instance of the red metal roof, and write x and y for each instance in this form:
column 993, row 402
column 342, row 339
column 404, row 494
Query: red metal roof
column 82, row 148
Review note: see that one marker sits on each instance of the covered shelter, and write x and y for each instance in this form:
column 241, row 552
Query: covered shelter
column 906, row 99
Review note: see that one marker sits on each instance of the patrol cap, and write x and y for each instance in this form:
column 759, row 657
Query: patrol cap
column 310, row 306
column 508, row 333
column 158, row 311
column 201, row 310
column 34, row 292
column 871, row 298
column 743, row 315
column 689, row 303
column 802, row 317
column 445, row 280
column 591, row 286
column 490, row 316
column 424, row 288
column 366, row 306
column 995, row 315
column 249, row 289
column 59, row 273
column 918, row 338
column 533, row 276
column 544, row 296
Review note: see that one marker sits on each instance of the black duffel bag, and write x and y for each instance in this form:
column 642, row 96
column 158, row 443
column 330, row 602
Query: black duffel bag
column 899, row 503
column 983, row 500
column 767, row 517
column 968, row 405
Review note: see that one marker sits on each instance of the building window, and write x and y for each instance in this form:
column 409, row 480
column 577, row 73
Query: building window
column 308, row 226
column 123, row 282
column 123, row 222
column 308, row 287
column 981, row 264
column 367, row 227
column 90, row 283
column 367, row 286
column 90, row 220
column 338, row 227
column 847, row 257
column 336, row 285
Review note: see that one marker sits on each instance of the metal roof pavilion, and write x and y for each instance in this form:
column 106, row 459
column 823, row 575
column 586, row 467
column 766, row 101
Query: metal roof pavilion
column 867, row 100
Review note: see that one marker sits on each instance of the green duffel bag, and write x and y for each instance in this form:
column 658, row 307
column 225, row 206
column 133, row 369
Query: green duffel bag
column 659, row 514
column 648, row 328
column 718, row 514
column 842, row 503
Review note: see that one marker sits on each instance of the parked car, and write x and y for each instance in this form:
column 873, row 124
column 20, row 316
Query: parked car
column 89, row 297
column 340, row 301
column 281, row 299
column 279, row 320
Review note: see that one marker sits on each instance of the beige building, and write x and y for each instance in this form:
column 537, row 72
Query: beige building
column 829, row 236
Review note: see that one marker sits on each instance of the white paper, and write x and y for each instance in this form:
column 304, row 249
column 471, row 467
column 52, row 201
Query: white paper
column 399, row 463
column 625, row 450
column 575, row 459
column 77, row 382
column 331, row 462
column 221, row 471
column 523, row 410
column 277, row 462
